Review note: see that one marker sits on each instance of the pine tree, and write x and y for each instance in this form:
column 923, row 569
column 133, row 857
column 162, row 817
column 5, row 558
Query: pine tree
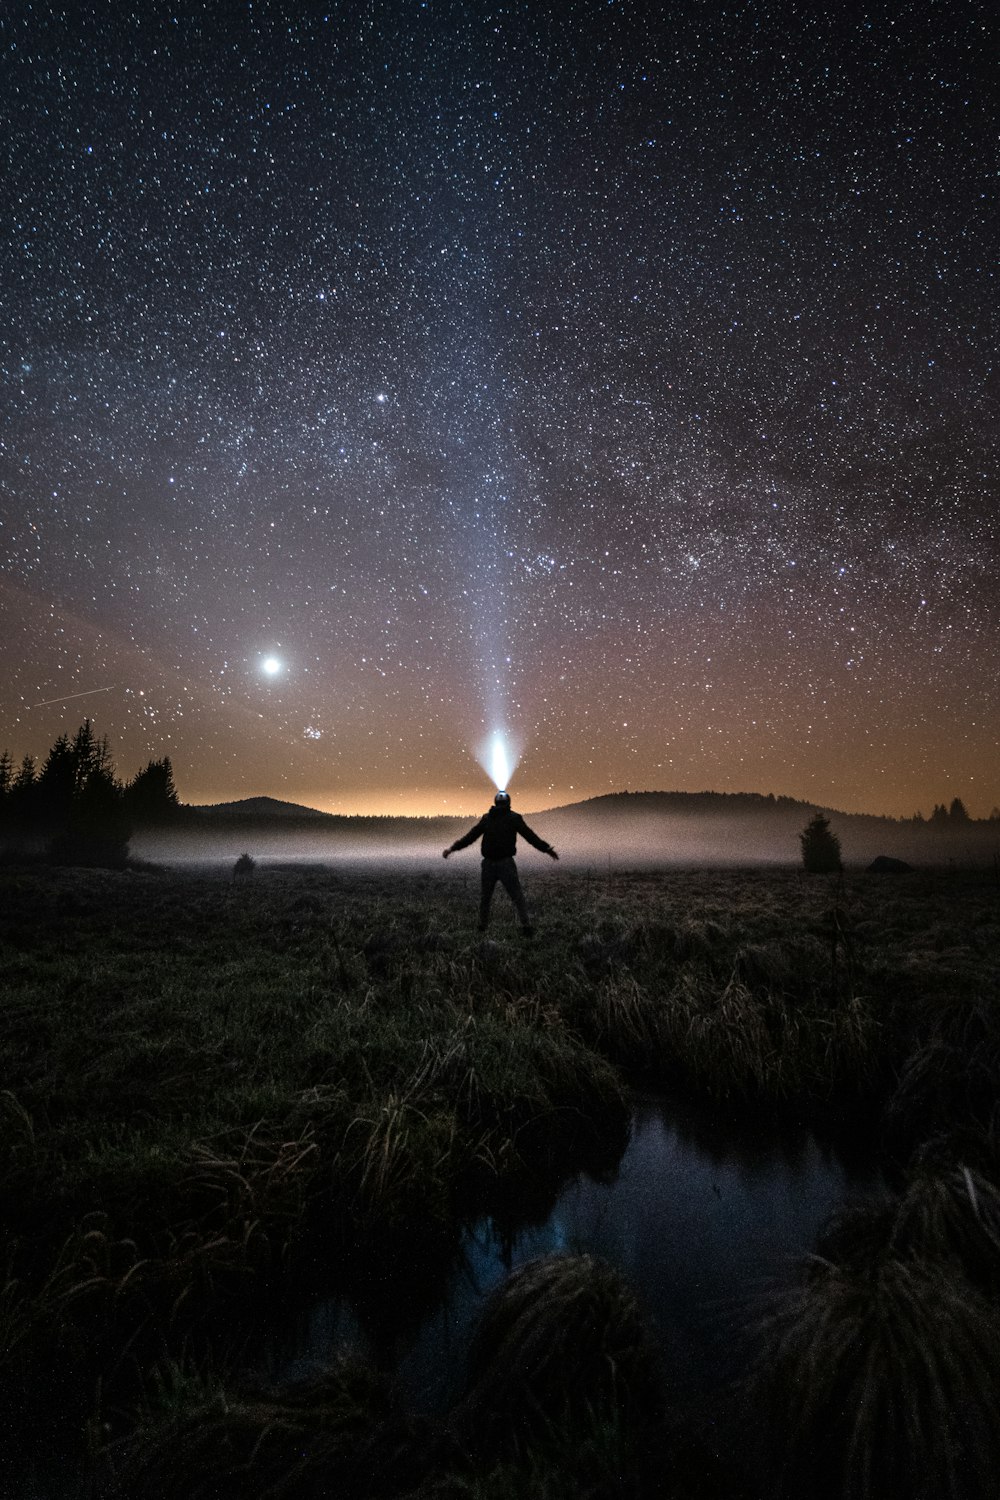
column 90, row 755
column 19, row 804
column 7, row 801
column 25, row 778
column 820, row 846
column 151, row 796
column 79, row 803
column 57, row 785
column 99, row 827
column 957, row 812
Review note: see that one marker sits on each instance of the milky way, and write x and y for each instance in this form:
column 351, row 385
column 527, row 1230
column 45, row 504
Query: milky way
column 619, row 375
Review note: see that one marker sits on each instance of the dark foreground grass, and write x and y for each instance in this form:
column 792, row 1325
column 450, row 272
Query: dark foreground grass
column 202, row 1081
column 880, row 1366
column 562, row 1400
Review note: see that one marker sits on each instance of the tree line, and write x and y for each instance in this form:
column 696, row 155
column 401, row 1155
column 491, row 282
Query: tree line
column 75, row 808
column 956, row 813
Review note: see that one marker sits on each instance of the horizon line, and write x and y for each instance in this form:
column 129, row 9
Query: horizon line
column 775, row 797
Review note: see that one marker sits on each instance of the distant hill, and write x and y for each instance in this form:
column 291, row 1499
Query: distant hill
column 268, row 811
column 613, row 804
column 610, row 804
column 259, row 809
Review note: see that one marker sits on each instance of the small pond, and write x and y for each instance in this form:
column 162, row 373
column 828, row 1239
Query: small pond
column 705, row 1217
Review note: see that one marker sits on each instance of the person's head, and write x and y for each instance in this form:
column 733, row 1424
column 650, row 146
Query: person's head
column 502, row 801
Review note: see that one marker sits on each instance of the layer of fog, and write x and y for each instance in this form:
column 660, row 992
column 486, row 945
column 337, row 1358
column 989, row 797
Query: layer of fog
column 622, row 839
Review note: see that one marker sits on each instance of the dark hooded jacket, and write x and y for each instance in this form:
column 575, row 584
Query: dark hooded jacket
column 499, row 829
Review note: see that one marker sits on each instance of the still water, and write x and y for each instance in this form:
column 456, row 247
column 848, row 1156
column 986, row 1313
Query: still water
column 704, row 1217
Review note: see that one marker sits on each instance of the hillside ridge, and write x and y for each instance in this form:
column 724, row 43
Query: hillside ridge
column 268, row 808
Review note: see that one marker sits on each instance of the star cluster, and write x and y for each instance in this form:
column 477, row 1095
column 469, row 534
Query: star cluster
column 378, row 375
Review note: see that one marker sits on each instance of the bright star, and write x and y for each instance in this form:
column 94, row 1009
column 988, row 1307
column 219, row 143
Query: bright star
column 271, row 665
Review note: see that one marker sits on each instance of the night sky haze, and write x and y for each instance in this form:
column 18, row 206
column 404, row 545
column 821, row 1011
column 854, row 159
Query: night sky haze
column 622, row 377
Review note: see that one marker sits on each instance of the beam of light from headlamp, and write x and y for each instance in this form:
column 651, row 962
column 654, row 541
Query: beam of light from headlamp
column 498, row 759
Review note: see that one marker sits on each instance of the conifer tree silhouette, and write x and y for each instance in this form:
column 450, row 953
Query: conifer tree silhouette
column 20, row 799
column 151, row 796
column 820, row 846
column 6, row 774
column 78, row 804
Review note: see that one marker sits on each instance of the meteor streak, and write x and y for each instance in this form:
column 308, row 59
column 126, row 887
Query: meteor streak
column 68, row 697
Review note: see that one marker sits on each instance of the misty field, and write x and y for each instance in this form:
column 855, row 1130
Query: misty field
column 217, row 1094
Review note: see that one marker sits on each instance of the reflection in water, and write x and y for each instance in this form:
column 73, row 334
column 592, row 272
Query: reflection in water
column 704, row 1217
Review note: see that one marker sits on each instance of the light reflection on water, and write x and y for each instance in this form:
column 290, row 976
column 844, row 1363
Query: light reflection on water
column 704, row 1218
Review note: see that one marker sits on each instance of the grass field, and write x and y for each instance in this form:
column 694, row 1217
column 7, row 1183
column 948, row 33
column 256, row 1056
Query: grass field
column 203, row 1080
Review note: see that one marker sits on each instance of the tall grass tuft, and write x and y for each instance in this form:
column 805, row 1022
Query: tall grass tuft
column 562, row 1346
column 878, row 1373
column 951, row 1073
column 625, row 1021
column 197, row 1441
column 398, row 1158
column 950, row 1213
column 882, row 1383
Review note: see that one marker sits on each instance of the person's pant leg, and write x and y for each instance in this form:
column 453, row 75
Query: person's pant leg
column 488, row 878
column 508, row 876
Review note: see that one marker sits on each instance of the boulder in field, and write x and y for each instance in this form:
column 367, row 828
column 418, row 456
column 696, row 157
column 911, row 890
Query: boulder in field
column 884, row 864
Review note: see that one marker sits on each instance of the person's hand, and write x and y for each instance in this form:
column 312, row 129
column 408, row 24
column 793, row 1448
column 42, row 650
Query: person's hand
column 445, row 853
column 553, row 854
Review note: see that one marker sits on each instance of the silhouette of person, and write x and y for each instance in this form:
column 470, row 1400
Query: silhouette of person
column 499, row 829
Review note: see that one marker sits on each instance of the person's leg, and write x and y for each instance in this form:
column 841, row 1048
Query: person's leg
column 489, row 878
column 507, row 874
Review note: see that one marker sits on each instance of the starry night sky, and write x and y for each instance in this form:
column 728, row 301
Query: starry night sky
column 619, row 375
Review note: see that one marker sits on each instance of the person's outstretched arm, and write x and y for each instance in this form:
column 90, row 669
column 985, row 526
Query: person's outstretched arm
column 533, row 838
column 466, row 839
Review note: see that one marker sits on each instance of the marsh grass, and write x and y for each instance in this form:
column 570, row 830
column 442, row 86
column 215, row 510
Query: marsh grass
column 951, row 1066
column 562, row 1400
column 881, row 1380
column 879, row 1368
column 562, row 1394
column 562, row 1342
column 215, row 1071
column 204, row 1066
column 196, row 1438
column 949, row 1212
